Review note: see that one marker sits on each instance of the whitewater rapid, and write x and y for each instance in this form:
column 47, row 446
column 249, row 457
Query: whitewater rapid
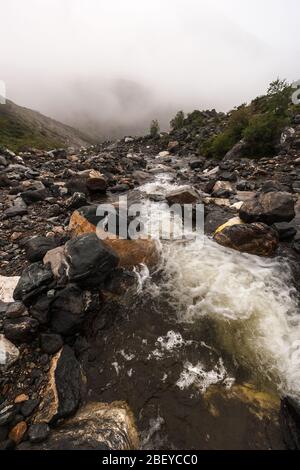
column 250, row 300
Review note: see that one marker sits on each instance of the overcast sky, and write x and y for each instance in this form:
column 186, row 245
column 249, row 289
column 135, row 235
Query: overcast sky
column 63, row 56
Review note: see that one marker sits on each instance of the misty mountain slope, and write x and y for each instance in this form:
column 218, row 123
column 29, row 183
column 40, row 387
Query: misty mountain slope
column 22, row 127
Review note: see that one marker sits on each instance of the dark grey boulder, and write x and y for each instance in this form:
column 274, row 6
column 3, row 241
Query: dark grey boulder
column 90, row 260
column 269, row 208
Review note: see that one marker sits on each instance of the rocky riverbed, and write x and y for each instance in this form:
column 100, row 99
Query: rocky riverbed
column 149, row 343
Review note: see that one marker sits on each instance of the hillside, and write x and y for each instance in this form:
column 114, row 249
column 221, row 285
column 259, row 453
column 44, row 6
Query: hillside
column 22, row 127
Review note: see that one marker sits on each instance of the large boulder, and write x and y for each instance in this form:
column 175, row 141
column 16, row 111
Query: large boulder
column 255, row 239
column 238, row 151
column 89, row 260
column 96, row 426
column 62, row 392
column 269, row 208
column 130, row 252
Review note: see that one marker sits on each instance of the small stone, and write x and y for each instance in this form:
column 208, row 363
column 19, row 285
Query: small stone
column 28, row 407
column 17, row 433
column 7, row 415
column 51, row 343
column 20, row 330
column 38, row 433
column 9, row 353
column 15, row 310
column 21, row 398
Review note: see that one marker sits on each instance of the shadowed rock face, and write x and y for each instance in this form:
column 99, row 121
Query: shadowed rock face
column 61, row 396
column 256, row 239
column 269, row 208
column 97, row 426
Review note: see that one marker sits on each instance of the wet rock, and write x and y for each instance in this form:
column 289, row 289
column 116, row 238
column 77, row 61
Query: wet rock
column 89, row 260
column 36, row 247
column 34, row 280
column 28, row 407
column 285, row 231
column 183, row 196
column 9, row 353
column 50, row 343
column 96, row 426
column 76, row 201
column 68, row 310
column 17, row 432
column 130, row 252
column 61, row 395
column 38, row 433
column 256, row 239
column 269, row 208
column 20, row 330
column 290, row 422
column 135, row 252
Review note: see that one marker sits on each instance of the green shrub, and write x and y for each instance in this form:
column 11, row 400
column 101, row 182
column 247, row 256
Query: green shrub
column 219, row 145
column 263, row 133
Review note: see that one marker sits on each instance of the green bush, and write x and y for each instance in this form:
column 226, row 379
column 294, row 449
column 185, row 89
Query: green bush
column 219, row 145
column 263, row 133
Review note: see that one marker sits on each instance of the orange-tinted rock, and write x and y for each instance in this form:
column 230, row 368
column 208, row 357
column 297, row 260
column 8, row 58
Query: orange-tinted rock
column 17, row 433
column 130, row 252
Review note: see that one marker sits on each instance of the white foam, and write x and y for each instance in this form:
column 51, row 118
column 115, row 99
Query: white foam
column 250, row 299
column 197, row 376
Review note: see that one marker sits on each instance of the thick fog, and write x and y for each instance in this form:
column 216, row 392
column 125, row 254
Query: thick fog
column 111, row 66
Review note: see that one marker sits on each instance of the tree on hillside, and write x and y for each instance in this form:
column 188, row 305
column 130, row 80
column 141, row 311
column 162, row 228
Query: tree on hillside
column 178, row 121
column 154, row 128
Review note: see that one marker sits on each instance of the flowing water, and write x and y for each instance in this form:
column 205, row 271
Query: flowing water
column 208, row 343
